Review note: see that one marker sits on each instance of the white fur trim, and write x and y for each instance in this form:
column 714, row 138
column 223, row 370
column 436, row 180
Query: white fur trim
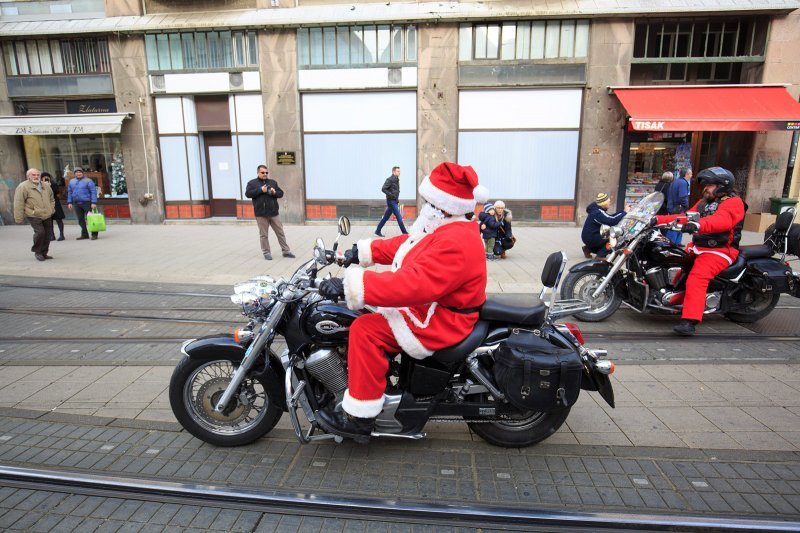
column 481, row 194
column 507, row 216
column 361, row 408
column 413, row 240
column 354, row 287
column 713, row 252
column 448, row 203
column 365, row 252
column 403, row 334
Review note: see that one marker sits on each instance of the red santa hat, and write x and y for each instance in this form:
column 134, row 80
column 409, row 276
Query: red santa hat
column 453, row 188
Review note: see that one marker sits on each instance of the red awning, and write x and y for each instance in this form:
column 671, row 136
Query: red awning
column 710, row 108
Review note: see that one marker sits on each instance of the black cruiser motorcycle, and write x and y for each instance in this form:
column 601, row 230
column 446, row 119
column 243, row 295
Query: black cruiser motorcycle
column 647, row 272
column 230, row 390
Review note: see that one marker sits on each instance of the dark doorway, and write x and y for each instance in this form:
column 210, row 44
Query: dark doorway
column 223, row 182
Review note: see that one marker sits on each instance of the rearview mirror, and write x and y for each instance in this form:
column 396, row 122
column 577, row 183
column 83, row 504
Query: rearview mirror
column 344, row 226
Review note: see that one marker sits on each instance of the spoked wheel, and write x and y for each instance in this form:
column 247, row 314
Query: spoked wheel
column 520, row 429
column 581, row 286
column 758, row 305
column 197, row 386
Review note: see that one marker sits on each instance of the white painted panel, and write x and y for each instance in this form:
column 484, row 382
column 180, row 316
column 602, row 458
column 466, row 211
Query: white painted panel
column 252, row 80
column 224, row 173
column 519, row 109
column 194, row 83
column 360, row 111
column 173, row 168
column 354, row 78
column 189, row 115
column 522, row 165
column 249, row 113
column 251, row 154
column 169, row 110
column 354, row 165
column 196, row 181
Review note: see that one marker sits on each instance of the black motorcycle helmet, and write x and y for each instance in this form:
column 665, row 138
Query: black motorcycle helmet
column 722, row 177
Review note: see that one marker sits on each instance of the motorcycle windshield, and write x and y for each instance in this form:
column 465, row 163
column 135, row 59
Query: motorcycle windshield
column 639, row 216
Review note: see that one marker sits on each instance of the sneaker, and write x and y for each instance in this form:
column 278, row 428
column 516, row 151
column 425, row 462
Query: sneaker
column 379, row 234
column 40, row 257
column 586, row 253
column 94, row 237
column 685, row 328
column 268, row 256
column 290, row 255
column 81, row 238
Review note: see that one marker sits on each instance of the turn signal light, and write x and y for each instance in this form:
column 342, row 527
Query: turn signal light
column 605, row 367
column 242, row 335
column 575, row 330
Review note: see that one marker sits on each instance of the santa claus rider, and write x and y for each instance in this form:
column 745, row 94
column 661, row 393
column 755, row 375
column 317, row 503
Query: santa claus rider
column 429, row 300
column 715, row 242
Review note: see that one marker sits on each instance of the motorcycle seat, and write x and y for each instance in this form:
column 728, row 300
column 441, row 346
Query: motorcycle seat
column 735, row 269
column 454, row 354
column 755, row 251
column 515, row 309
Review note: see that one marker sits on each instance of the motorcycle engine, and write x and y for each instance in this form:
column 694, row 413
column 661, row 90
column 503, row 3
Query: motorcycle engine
column 328, row 367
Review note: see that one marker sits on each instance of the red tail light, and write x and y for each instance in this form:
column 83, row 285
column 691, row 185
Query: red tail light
column 576, row 332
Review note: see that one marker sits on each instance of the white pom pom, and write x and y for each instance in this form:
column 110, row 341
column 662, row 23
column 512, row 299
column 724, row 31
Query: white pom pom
column 481, row 194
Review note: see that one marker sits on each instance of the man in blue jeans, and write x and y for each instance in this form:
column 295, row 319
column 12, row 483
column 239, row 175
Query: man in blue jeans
column 82, row 193
column 391, row 188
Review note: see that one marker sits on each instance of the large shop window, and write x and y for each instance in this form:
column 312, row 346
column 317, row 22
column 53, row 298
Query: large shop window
column 356, row 45
column 201, row 50
column 100, row 156
column 649, row 156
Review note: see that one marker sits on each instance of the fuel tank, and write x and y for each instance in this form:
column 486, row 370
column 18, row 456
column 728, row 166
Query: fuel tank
column 328, row 323
column 665, row 254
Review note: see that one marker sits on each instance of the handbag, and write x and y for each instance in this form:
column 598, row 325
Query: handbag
column 95, row 221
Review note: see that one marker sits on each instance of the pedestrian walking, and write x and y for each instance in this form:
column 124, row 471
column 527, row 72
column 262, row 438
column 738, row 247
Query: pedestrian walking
column 34, row 200
column 391, row 188
column 82, row 197
column 58, row 215
column 265, row 192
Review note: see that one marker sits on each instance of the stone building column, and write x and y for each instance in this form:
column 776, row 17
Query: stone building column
column 277, row 55
column 437, row 96
column 603, row 122
column 122, row 8
column 139, row 151
column 770, row 156
column 12, row 161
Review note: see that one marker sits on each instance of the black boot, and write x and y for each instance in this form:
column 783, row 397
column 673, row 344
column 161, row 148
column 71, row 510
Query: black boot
column 685, row 328
column 341, row 423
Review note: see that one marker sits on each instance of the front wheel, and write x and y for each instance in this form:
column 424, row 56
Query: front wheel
column 581, row 285
column 196, row 387
column 522, row 429
column 757, row 305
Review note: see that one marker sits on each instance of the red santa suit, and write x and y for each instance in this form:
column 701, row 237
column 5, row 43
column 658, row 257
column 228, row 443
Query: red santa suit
column 715, row 245
column 429, row 299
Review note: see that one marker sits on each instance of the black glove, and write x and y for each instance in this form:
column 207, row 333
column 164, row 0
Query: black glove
column 350, row 256
column 690, row 227
column 332, row 288
column 653, row 222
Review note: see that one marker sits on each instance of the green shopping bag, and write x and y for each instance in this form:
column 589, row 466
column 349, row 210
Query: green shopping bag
column 95, row 221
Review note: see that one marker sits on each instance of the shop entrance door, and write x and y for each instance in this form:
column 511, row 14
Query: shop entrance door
column 223, row 184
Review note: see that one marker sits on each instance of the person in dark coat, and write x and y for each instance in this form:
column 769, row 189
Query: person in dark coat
column 663, row 187
column 594, row 243
column 391, row 188
column 505, row 239
column 265, row 193
column 58, row 216
column 489, row 226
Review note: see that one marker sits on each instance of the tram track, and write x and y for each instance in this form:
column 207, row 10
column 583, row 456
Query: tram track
column 372, row 509
column 112, row 291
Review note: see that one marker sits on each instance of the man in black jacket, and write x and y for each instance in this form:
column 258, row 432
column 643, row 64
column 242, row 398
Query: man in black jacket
column 265, row 193
column 391, row 188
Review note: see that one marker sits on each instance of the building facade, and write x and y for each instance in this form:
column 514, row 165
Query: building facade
column 171, row 104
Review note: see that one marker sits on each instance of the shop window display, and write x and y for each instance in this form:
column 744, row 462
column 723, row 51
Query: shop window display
column 648, row 160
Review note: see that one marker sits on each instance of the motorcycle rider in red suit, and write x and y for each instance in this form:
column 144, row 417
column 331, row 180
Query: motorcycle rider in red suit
column 428, row 301
column 715, row 240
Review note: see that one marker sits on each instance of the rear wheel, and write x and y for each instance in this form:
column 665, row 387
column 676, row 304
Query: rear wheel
column 581, row 285
column 520, row 429
column 757, row 305
column 196, row 387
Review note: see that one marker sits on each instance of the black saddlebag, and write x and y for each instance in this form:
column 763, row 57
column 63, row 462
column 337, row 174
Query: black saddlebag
column 774, row 276
column 536, row 375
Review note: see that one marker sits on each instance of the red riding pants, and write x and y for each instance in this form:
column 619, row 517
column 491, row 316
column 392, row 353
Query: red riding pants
column 367, row 363
column 706, row 267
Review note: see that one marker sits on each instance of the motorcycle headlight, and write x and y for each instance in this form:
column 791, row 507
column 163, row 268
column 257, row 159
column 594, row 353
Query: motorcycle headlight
column 604, row 230
column 248, row 300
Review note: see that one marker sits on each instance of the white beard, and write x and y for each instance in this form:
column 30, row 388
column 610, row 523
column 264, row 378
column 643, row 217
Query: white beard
column 428, row 220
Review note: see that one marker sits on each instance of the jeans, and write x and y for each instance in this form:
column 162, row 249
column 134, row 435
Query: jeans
column 392, row 208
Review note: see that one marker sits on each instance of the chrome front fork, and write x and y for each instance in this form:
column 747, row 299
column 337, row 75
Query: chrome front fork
column 250, row 356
